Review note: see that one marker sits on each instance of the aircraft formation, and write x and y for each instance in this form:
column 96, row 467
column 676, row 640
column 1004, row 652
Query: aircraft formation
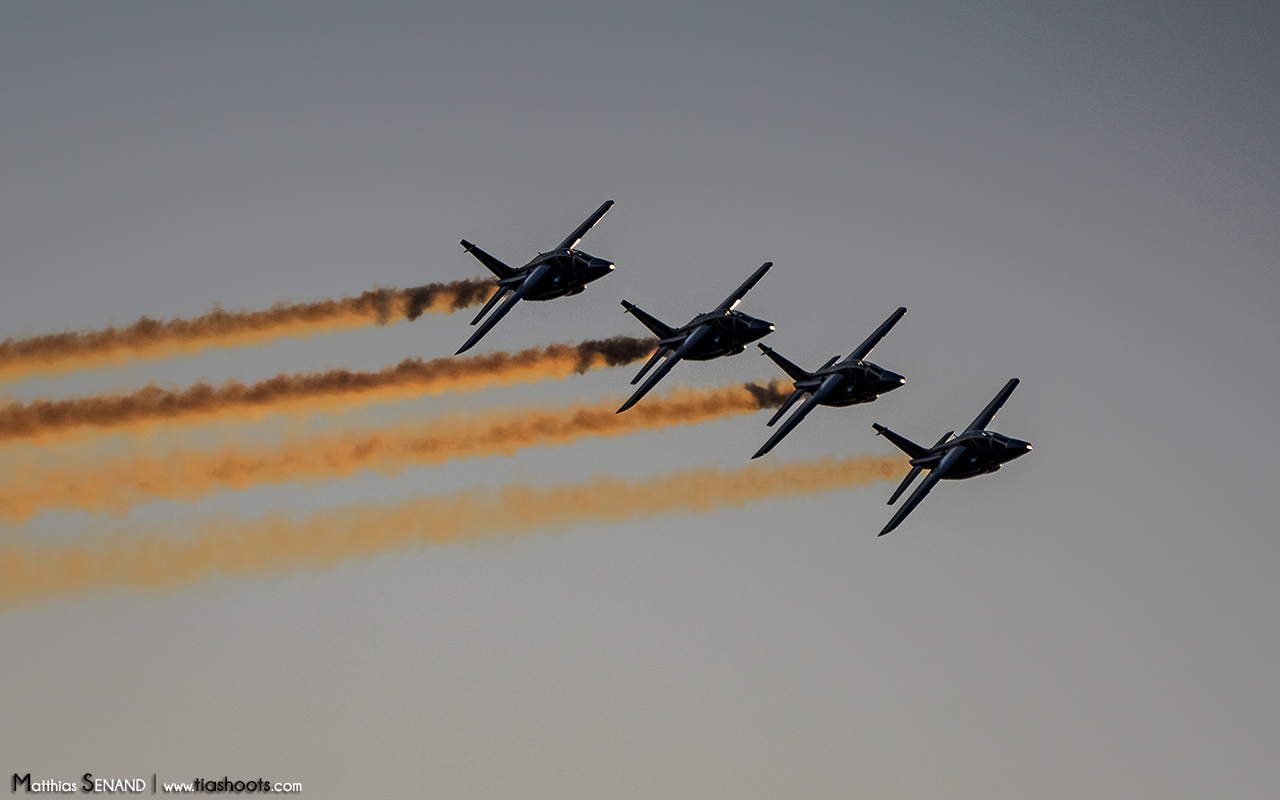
column 725, row 331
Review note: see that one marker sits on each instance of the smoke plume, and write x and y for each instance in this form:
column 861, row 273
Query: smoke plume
column 149, row 338
column 118, row 484
column 45, row 419
column 277, row 544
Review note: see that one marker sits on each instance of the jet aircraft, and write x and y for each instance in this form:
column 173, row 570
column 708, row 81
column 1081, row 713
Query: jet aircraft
column 976, row 451
column 846, row 383
column 559, row 273
column 722, row 332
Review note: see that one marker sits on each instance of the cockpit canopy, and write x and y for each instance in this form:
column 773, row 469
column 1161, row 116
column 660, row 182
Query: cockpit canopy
column 863, row 370
column 728, row 320
column 986, row 440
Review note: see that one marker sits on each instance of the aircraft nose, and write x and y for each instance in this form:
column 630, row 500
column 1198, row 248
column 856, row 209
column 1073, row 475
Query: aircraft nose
column 600, row 265
column 1020, row 447
column 893, row 377
column 763, row 325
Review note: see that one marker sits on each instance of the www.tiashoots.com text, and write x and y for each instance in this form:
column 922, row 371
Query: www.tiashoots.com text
column 88, row 783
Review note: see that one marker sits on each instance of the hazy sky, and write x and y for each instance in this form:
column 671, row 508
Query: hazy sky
column 1083, row 196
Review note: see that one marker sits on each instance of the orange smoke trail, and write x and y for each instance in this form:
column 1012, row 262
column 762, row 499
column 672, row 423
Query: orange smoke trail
column 119, row 484
column 335, row 388
column 149, row 338
column 276, row 544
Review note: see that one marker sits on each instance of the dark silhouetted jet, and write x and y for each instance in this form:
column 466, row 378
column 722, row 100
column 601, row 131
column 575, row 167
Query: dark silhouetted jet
column 846, row 383
column 559, row 273
column 723, row 332
column 977, row 451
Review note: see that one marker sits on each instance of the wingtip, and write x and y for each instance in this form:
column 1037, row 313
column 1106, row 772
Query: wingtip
column 632, row 400
column 466, row 245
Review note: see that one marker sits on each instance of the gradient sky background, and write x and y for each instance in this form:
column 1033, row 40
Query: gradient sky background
column 1082, row 195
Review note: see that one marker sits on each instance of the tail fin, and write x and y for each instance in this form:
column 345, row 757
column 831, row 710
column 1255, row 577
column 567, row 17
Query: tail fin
column 494, row 265
column 659, row 328
column 793, row 371
column 901, row 442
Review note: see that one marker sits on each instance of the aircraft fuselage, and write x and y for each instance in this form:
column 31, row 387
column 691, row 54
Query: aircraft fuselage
column 570, row 272
column 730, row 332
column 985, row 452
column 859, row 383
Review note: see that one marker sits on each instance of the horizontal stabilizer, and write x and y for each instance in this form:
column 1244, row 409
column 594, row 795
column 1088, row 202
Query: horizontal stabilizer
column 902, row 487
column 901, row 442
column 502, row 310
column 927, row 484
column 672, row 359
column 648, row 365
column 786, row 406
column 801, row 413
column 793, row 370
column 498, row 294
column 492, row 264
column 923, row 489
column 659, row 328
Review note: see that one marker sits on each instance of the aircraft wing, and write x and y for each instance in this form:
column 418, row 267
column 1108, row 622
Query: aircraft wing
column 988, row 413
column 800, row 414
column 732, row 300
column 502, row 310
column 575, row 237
column 863, row 350
column 923, row 489
column 665, row 366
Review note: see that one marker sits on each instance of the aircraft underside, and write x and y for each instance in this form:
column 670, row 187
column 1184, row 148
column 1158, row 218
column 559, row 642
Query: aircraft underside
column 564, row 290
column 720, row 350
column 841, row 398
column 963, row 470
